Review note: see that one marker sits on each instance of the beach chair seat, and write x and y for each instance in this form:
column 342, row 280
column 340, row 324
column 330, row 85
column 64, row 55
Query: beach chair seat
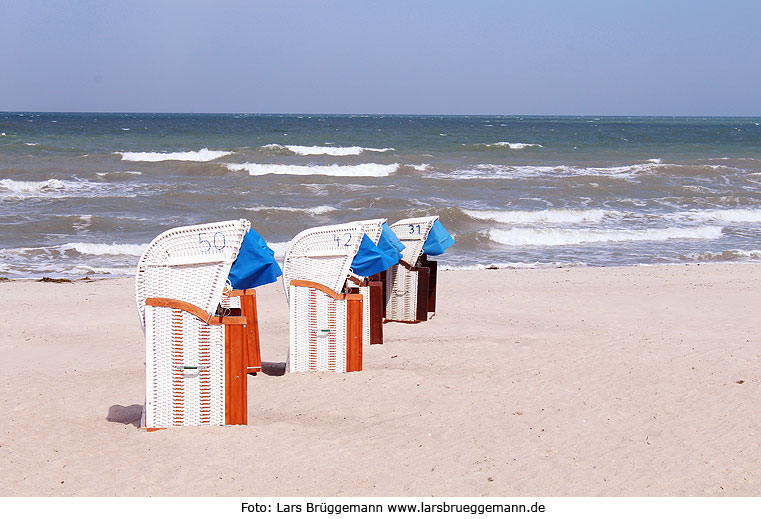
column 411, row 285
column 196, row 351
column 325, row 321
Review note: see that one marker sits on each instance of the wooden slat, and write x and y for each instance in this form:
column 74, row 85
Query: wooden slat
column 432, row 278
column 323, row 288
column 354, row 334
column 236, row 381
column 376, row 312
column 253, row 351
column 382, row 279
column 422, row 294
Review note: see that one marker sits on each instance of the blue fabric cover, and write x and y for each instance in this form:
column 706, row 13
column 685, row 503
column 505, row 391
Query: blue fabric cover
column 370, row 259
column 390, row 244
column 255, row 264
column 389, row 236
column 438, row 240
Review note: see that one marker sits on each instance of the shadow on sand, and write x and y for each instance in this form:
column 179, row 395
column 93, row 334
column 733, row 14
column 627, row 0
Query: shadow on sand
column 129, row 415
column 273, row 369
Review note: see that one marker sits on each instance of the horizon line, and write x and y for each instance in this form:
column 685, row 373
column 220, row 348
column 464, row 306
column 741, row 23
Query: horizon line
column 361, row 114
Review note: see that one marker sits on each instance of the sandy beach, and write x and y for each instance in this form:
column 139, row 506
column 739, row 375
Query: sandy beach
column 626, row 381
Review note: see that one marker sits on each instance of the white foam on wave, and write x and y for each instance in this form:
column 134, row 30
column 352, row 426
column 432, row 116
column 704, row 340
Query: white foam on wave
column 419, row 167
column 554, row 237
column 335, row 151
column 32, row 143
column 544, row 216
column 320, row 209
column 719, row 215
column 202, row 155
column 500, row 171
column 25, row 188
column 358, row 170
column 54, row 188
column 730, row 256
column 512, row 145
column 108, row 173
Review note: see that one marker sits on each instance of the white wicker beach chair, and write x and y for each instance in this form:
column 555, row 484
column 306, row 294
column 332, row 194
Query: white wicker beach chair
column 179, row 284
column 407, row 284
column 326, row 324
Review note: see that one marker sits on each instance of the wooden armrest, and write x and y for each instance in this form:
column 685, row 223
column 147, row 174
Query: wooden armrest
column 165, row 302
column 323, row 288
column 238, row 293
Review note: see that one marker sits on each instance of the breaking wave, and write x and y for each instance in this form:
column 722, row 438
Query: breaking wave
column 544, row 216
column 202, row 155
column 335, row 151
column 551, row 237
column 320, row 209
column 335, row 170
column 511, row 145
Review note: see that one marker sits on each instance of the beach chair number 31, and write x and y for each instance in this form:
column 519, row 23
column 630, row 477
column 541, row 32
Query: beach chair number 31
column 343, row 240
column 217, row 241
column 413, row 227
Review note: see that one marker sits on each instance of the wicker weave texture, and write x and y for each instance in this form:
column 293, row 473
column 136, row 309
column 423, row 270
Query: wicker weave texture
column 318, row 331
column 373, row 228
column 401, row 283
column 323, row 255
column 185, row 370
column 190, row 264
column 413, row 232
column 401, row 292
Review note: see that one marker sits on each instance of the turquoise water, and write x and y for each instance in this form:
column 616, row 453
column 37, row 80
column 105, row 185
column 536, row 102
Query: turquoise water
column 82, row 194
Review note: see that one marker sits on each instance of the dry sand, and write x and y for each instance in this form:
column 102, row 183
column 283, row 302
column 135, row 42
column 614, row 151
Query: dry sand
column 558, row 382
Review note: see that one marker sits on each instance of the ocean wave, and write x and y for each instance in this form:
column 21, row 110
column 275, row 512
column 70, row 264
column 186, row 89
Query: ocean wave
column 358, row 170
column 202, row 155
column 335, row 151
column 720, row 215
column 501, row 171
column 320, row 209
column 31, row 187
column 54, row 188
column 544, row 216
column 553, row 237
column 511, row 145
column 727, row 255
column 118, row 173
column 105, row 249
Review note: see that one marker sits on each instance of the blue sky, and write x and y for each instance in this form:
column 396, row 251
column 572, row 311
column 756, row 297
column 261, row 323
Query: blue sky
column 468, row 57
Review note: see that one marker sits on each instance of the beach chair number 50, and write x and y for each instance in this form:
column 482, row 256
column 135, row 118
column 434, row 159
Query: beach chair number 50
column 412, row 228
column 217, row 241
column 343, row 240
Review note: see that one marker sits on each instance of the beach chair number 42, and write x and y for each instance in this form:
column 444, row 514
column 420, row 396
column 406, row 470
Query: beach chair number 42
column 413, row 227
column 343, row 240
column 217, row 241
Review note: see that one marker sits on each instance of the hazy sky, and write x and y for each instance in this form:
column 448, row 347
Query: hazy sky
column 466, row 57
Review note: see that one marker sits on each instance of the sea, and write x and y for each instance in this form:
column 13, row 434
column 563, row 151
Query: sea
column 82, row 194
